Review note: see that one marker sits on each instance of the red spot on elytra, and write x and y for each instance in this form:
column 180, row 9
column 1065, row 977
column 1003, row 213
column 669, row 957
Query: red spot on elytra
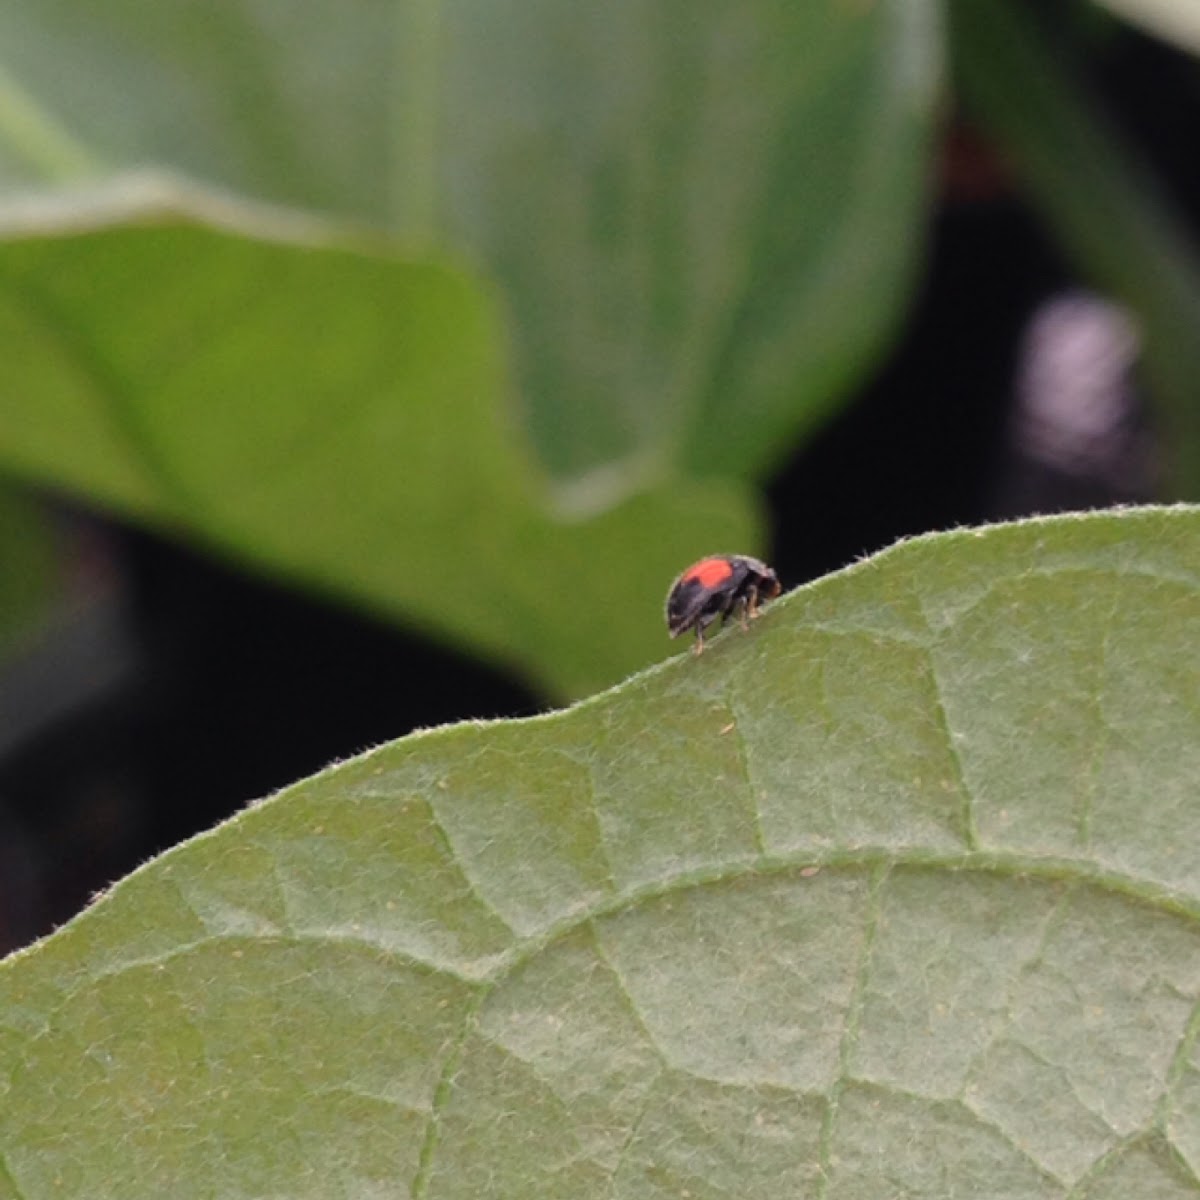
column 708, row 572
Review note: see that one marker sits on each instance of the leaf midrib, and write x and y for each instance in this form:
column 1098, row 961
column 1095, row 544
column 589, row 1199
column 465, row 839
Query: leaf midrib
column 1044, row 868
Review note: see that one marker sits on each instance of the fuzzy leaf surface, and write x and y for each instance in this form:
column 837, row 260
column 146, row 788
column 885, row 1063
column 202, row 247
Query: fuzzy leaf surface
column 897, row 893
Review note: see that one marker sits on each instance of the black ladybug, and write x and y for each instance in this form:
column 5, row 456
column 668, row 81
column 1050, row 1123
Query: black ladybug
column 718, row 587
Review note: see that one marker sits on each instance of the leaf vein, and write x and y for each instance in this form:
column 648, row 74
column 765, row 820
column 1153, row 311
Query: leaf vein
column 970, row 833
column 851, row 1023
column 760, row 841
column 627, row 996
column 441, row 1096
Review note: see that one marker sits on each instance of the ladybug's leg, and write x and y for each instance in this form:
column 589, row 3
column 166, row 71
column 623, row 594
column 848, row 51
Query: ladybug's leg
column 748, row 607
column 751, row 606
column 737, row 610
column 701, row 625
column 732, row 608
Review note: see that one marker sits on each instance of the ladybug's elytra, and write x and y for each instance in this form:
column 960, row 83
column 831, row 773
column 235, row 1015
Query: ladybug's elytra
column 719, row 586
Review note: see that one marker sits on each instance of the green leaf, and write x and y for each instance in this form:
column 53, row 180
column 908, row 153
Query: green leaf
column 896, row 894
column 703, row 220
column 334, row 413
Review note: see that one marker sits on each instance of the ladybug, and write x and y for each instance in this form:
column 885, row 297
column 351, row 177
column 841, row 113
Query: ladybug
column 718, row 587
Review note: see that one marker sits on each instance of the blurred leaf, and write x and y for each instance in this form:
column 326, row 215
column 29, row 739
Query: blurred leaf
column 1099, row 198
column 897, row 894
column 703, row 218
column 1176, row 20
column 332, row 412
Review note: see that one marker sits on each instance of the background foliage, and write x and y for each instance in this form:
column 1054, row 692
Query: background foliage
column 659, row 242
column 616, row 284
